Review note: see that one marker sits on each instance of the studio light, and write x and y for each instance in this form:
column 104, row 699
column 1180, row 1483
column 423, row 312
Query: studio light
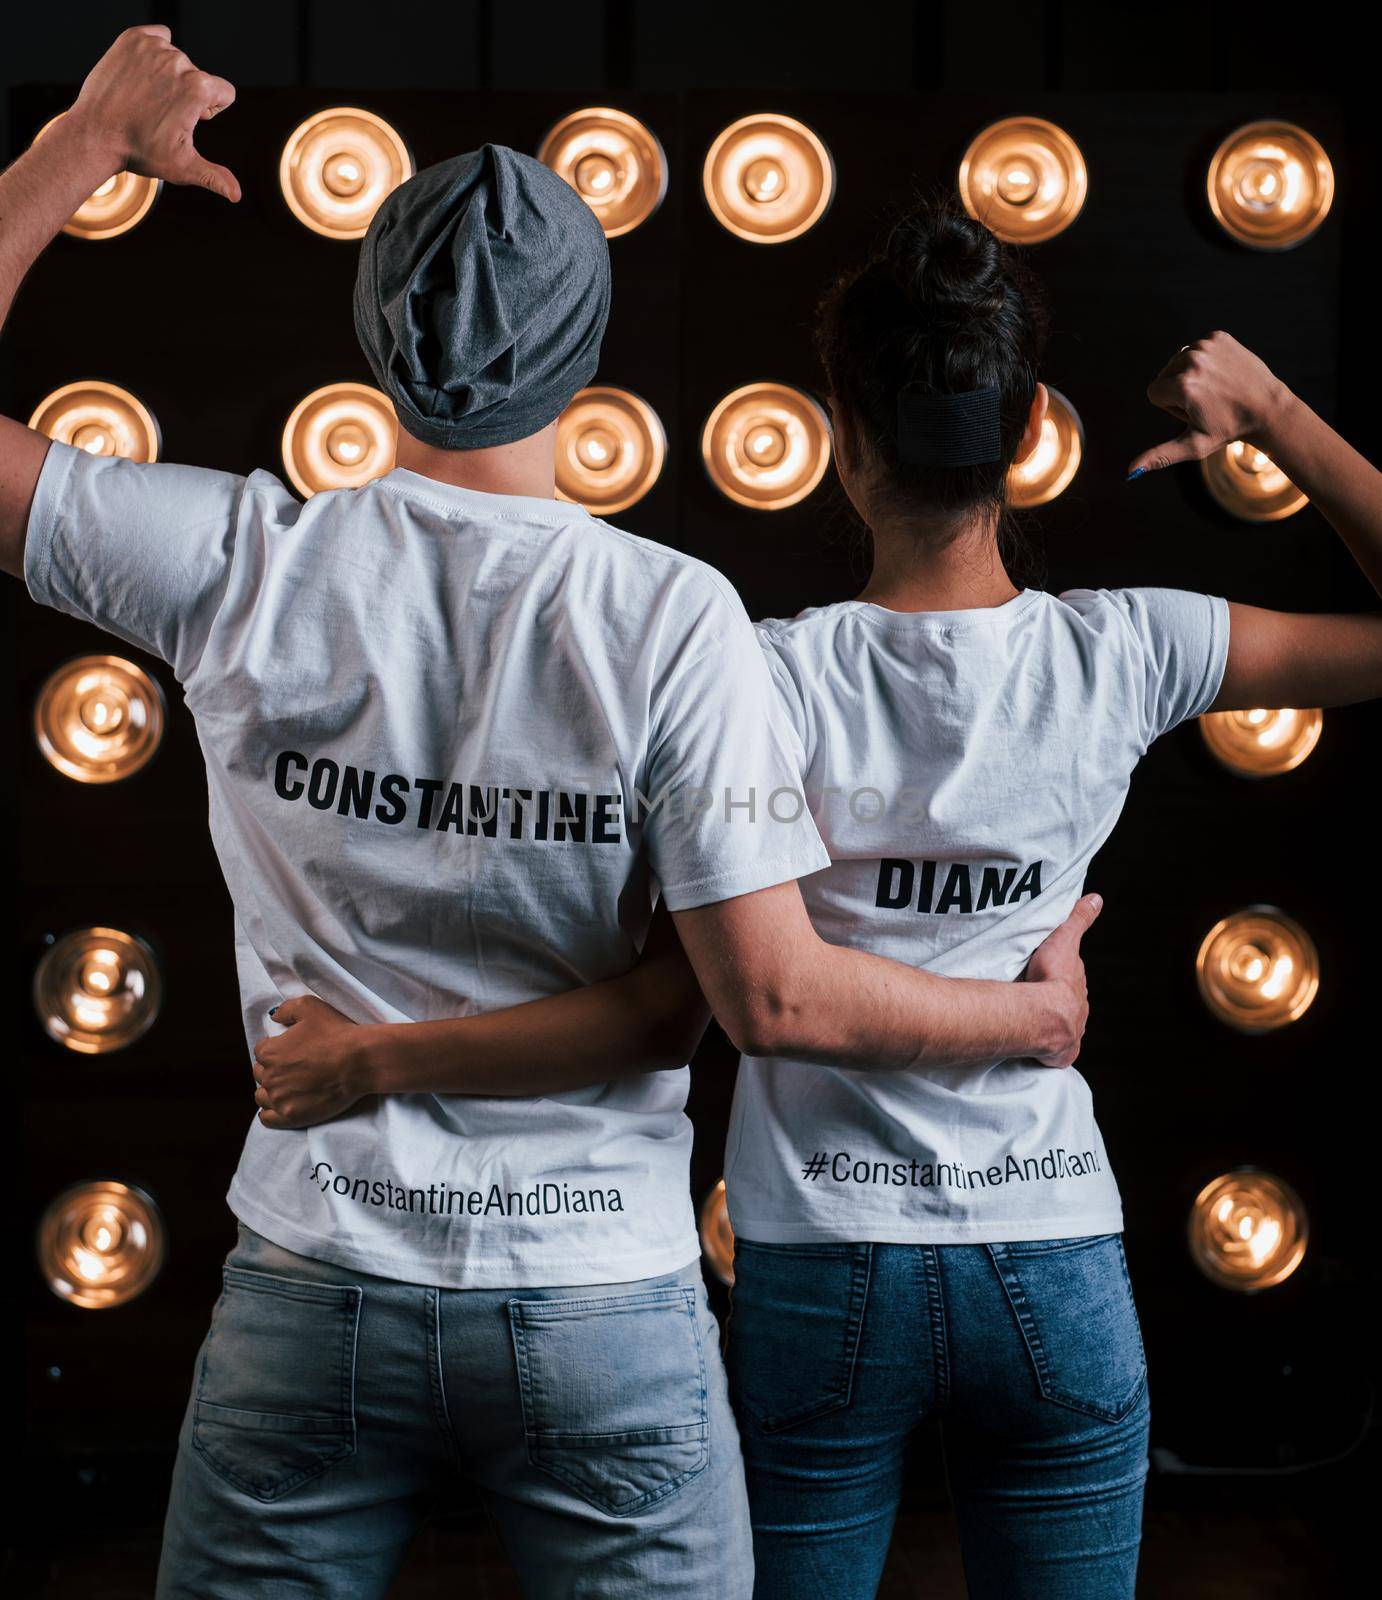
column 1248, row 484
column 101, row 1244
column 117, row 206
column 101, row 418
column 1024, row 178
column 339, row 437
column 1261, row 743
column 766, row 445
column 768, row 178
column 1270, row 185
column 610, row 450
column 1248, row 1230
column 717, row 1237
column 613, row 161
column 338, row 166
column 99, row 719
column 1258, row 970
column 1049, row 469
column 97, row 990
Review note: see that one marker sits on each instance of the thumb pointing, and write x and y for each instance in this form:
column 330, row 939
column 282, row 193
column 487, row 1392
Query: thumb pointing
column 220, row 180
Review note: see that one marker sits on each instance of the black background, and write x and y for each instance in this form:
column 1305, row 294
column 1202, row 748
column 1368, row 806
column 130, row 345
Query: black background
column 221, row 319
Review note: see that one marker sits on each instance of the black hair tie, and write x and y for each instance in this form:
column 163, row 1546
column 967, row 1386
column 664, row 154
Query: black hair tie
column 948, row 430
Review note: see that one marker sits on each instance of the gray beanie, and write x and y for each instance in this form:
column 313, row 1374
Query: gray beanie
column 481, row 298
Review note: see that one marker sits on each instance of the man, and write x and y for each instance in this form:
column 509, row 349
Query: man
column 457, row 736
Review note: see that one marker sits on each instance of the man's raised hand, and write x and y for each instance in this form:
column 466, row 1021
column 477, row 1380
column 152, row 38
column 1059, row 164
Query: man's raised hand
column 1057, row 960
column 141, row 104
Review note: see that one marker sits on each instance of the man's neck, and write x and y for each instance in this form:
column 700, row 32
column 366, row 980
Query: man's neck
column 525, row 467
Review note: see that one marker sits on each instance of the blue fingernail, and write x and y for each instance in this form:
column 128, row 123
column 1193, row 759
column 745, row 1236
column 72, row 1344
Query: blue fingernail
column 1135, row 474
column 273, row 1010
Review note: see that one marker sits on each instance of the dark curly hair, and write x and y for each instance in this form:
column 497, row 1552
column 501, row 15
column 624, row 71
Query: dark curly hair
column 950, row 308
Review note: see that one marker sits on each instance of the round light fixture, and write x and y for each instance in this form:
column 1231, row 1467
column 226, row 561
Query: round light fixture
column 338, row 166
column 1049, row 469
column 766, row 445
column 613, row 161
column 1248, row 484
column 768, row 178
column 610, row 450
column 339, row 437
column 1248, row 1230
column 1258, row 970
column 99, row 719
column 101, row 1244
column 1270, row 185
column 118, row 205
column 97, row 990
column 717, row 1237
column 101, row 418
column 1024, row 178
column 1261, row 743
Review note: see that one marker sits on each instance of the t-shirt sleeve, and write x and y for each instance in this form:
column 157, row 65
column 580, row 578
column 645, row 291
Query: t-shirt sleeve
column 727, row 814
column 1180, row 646
column 141, row 550
column 790, row 698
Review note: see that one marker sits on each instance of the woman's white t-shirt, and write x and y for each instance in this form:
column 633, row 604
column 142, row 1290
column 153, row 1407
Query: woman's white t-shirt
column 962, row 768
column 454, row 744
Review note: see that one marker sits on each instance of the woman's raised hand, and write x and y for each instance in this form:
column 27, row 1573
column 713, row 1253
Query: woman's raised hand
column 1221, row 391
column 312, row 1072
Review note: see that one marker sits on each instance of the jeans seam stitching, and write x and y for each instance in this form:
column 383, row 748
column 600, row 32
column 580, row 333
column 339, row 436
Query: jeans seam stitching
column 436, row 1379
column 940, row 1349
column 859, row 1293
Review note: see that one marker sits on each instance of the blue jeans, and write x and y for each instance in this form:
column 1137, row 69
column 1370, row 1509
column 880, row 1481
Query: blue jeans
column 1030, row 1356
column 331, row 1410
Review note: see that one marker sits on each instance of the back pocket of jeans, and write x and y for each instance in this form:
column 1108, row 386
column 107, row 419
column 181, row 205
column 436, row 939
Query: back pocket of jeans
column 1073, row 1302
column 614, row 1397
column 797, row 1311
column 275, row 1401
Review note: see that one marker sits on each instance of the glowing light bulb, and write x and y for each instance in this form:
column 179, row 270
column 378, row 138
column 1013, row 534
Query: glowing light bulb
column 337, row 168
column 1270, row 185
column 1052, row 466
column 613, row 161
column 610, row 450
column 768, row 178
column 99, row 719
column 101, row 1244
column 1248, row 1230
column 1024, row 178
column 1260, row 743
column 341, row 436
column 766, row 446
column 1248, row 484
column 97, row 990
column 717, row 1237
column 1258, row 970
column 100, row 418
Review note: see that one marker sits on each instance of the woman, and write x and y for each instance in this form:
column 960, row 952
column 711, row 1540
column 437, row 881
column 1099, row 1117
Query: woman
column 948, row 1243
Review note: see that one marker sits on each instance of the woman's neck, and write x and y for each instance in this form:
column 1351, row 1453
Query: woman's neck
column 911, row 574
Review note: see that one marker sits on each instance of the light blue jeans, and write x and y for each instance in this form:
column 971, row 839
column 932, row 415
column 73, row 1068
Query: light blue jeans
column 331, row 1410
column 1029, row 1355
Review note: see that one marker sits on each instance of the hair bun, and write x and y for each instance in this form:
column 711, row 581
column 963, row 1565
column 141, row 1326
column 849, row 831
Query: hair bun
column 947, row 264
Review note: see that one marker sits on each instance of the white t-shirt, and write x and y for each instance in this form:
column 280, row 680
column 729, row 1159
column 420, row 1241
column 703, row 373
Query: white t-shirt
column 962, row 767
column 454, row 744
